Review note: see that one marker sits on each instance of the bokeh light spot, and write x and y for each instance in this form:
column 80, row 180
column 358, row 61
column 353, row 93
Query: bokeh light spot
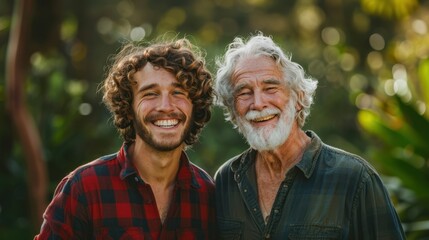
column 388, row 87
column 358, row 82
column 348, row 62
column 104, row 25
column 85, row 109
column 137, row 34
column 375, row 60
column 330, row 36
column 419, row 26
column 377, row 42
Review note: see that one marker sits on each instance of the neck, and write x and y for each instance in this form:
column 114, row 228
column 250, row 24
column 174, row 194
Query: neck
column 277, row 162
column 155, row 167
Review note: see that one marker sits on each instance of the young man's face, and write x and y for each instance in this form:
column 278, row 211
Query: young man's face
column 265, row 112
column 163, row 110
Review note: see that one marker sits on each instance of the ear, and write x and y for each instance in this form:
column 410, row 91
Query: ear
column 298, row 106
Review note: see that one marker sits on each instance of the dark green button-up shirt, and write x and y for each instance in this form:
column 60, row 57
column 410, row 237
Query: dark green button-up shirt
column 329, row 194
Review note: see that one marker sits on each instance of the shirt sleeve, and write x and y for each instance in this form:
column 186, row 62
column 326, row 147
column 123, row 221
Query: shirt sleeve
column 373, row 215
column 66, row 216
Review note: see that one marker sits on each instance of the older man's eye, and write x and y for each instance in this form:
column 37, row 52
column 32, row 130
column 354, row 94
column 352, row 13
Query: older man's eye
column 271, row 89
column 243, row 94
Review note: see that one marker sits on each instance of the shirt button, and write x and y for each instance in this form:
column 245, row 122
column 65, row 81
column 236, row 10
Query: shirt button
column 136, row 179
column 245, row 190
column 276, row 211
column 254, row 209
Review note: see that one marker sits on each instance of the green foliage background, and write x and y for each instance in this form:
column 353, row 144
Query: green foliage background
column 370, row 57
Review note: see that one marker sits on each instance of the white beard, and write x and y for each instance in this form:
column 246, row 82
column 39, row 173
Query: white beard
column 268, row 137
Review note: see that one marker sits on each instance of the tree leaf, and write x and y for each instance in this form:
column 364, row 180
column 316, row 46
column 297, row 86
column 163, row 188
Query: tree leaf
column 412, row 177
column 417, row 123
column 423, row 72
column 372, row 123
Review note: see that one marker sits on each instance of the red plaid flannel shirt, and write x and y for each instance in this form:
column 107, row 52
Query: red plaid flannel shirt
column 106, row 199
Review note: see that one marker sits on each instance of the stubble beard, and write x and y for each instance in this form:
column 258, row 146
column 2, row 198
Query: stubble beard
column 162, row 145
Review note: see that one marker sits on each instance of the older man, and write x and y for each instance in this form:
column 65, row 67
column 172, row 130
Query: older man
column 289, row 184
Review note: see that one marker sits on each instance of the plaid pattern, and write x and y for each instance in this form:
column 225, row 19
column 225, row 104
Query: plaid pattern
column 106, row 199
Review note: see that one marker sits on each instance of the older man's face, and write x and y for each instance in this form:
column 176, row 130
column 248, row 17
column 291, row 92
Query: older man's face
column 264, row 110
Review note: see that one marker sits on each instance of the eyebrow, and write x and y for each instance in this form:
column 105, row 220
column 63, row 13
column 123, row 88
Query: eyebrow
column 273, row 81
column 144, row 88
column 178, row 85
column 153, row 85
column 238, row 88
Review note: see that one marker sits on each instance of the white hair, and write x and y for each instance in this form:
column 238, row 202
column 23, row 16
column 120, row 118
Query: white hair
column 302, row 87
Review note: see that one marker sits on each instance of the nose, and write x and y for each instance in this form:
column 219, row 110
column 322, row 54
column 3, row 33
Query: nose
column 166, row 104
column 258, row 101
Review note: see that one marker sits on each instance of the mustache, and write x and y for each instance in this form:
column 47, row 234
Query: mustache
column 253, row 114
column 157, row 116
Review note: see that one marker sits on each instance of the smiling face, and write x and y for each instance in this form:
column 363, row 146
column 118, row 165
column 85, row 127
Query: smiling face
column 162, row 109
column 264, row 110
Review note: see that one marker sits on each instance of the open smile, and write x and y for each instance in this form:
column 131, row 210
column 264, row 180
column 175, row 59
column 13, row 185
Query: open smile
column 265, row 118
column 166, row 123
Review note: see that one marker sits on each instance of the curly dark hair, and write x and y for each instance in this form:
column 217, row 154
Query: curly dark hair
column 179, row 57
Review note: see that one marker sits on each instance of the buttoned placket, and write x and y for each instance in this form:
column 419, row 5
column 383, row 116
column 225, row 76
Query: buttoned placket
column 148, row 197
column 250, row 197
column 279, row 204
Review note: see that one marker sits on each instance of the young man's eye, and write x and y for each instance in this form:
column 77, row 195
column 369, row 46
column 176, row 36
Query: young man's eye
column 180, row 92
column 149, row 94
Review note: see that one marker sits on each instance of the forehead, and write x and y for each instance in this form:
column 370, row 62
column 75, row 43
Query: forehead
column 151, row 74
column 256, row 68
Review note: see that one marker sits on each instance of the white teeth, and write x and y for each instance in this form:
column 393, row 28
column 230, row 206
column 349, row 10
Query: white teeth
column 264, row 115
column 264, row 118
column 169, row 123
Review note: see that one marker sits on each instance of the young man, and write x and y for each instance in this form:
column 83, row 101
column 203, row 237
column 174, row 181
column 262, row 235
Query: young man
column 160, row 97
column 289, row 184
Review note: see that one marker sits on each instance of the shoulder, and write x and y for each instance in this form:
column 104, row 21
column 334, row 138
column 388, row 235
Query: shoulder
column 351, row 172
column 350, row 166
column 201, row 176
column 105, row 165
column 227, row 167
column 342, row 158
column 326, row 157
column 85, row 174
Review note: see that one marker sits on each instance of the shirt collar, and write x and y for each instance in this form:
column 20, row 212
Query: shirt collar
column 127, row 168
column 309, row 159
column 311, row 154
column 242, row 162
column 185, row 176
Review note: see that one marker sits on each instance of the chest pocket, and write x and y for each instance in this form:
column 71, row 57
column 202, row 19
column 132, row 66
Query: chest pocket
column 107, row 233
column 230, row 229
column 297, row 232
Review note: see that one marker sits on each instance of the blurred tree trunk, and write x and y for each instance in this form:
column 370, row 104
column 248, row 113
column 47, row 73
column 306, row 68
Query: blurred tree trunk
column 16, row 67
